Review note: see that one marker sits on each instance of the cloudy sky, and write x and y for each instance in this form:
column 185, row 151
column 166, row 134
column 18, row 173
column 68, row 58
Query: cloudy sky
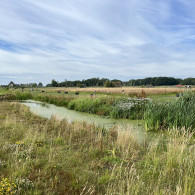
column 42, row 40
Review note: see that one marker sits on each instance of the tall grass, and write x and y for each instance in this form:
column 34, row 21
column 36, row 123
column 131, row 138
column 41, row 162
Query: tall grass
column 174, row 114
column 40, row 156
column 157, row 115
column 129, row 108
column 101, row 105
column 111, row 106
column 167, row 169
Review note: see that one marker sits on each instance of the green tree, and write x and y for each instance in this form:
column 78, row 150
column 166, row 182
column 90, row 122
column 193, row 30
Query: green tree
column 54, row 83
column 108, row 84
column 40, row 85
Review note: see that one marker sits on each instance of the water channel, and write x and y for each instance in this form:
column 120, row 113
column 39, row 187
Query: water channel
column 48, row 110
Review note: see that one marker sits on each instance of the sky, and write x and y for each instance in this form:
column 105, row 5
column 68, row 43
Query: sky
column 41, row 40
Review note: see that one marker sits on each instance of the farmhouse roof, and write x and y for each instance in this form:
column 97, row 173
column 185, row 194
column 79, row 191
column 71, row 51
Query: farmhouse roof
column 11, row 83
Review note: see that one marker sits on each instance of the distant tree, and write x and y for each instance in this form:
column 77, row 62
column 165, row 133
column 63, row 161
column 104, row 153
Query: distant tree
column 78, row 85
column 34, row 85
column 117, row 83
column 22, row 86
column 54, row 83
column 179, row 81
column 156, row 81
column 40, row 85
column 109, row 84
column 189, row 81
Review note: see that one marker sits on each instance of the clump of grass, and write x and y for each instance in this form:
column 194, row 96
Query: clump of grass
column 57, row 100
column 166, row 168
column 173, row 114
column 100, row 105
column 24, row 96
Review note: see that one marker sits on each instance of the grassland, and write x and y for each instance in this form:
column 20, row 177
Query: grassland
column 131, row 91
column 40, row 156
column 160, row 112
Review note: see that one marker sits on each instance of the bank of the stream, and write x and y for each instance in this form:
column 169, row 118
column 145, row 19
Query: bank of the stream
column 48, row 111
column 177, row 113
column 110, row 106
column 49, row 156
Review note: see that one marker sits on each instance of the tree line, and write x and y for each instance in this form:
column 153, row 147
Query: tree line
column 159, row 81
column 97, row 82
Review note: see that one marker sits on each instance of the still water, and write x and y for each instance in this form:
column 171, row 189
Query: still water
column 48, row 110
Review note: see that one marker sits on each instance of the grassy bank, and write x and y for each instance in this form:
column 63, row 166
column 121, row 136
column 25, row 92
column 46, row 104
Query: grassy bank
column 39, row 156
column 158, row 115
column 110, row 106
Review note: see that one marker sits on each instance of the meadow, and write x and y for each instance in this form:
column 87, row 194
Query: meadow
column 132, row 91
column 50, row 156
column 160, row 111
column 41, row 156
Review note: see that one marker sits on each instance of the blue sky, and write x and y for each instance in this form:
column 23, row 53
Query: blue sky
column 79, row 39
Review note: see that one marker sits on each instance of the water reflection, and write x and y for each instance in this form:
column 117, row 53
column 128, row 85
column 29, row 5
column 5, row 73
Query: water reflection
column 48, row 110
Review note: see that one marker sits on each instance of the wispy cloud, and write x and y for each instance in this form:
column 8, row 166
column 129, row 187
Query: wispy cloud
column 77, row 39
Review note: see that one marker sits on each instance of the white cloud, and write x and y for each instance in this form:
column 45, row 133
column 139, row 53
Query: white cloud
column 77, row 39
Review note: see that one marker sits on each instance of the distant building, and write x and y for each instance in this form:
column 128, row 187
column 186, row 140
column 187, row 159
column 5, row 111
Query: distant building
column 3, row 86
column 11, row 84
column 16, row 85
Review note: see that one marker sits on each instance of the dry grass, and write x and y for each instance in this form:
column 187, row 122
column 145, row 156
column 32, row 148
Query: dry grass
column 123, row 90
column 43, row 156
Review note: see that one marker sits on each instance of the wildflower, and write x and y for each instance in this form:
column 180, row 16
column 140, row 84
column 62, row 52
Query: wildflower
column 7, row 187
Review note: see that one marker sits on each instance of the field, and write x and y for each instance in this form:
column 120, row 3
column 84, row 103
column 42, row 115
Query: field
column 40, row 156
column 122, row 90
column 48, row 156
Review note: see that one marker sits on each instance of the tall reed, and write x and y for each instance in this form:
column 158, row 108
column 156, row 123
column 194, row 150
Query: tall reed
column 178, row 113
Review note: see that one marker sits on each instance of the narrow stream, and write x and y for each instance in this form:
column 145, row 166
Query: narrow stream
column 48, row 110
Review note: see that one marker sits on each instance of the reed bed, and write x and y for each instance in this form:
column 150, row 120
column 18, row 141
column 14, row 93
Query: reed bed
column 173, row 114
column 40, row 156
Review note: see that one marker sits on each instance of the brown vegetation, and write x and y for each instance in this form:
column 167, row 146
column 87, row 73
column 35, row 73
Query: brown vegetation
column 124, row 90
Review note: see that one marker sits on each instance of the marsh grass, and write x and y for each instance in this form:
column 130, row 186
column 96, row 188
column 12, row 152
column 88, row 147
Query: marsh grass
column 130, row 108
column 43, row 156
column 173, row 114
column 111, row 106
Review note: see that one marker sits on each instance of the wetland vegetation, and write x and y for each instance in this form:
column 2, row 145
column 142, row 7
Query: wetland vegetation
column 41, row 156
column 51, row 156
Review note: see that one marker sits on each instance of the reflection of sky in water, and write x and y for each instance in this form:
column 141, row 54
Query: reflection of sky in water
column 48, row 110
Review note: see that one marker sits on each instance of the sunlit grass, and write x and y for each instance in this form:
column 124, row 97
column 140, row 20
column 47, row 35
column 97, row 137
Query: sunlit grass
column 43, row 156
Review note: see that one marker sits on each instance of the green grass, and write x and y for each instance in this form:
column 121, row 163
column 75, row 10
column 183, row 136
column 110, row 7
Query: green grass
column 163, row 97
column 100, row 105
column 158, row 114
column 3, row 91
column 172, row 114
column 40, row 156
